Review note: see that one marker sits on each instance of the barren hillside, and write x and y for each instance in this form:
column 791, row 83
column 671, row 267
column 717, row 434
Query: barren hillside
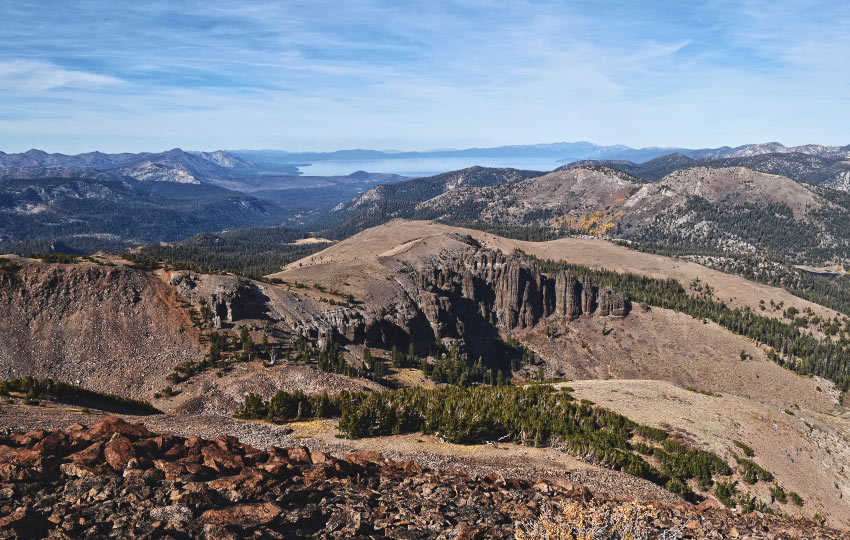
column 800, row 447
column 224, row 489
column 108, row 328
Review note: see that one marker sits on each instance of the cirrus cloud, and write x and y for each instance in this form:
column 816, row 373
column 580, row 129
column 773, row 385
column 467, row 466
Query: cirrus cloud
column 37, row 76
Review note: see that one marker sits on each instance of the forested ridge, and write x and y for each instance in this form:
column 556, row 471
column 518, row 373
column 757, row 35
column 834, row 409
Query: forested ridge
column 132, row 212
column 253, row 252
column 831, row 292
column 771, row 229
column 34, row 390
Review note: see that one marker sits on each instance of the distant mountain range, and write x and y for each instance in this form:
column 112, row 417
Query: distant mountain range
column 95, row 200
column 173, row 165
column 222, row 167
column 726, row 208
column 564, row 152
column 170, row 195
column 86, row 212
column 832, row 172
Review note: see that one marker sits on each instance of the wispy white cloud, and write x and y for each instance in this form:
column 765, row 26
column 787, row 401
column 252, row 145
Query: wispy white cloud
column 34, row 76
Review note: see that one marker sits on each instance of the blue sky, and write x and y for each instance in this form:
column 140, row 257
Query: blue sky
column 131, row 76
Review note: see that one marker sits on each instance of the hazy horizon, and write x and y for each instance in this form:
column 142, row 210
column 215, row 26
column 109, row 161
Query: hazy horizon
column 393, row 150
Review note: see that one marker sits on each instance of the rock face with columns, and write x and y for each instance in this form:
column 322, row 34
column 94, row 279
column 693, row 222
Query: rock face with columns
column 510, row 291
column 469, row 295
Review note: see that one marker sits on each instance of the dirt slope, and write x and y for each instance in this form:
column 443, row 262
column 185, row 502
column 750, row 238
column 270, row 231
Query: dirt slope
column 111, row 329
column 667, row 346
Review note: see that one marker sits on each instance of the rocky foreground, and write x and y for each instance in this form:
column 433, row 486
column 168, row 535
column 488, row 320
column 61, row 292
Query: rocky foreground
column 120, row 480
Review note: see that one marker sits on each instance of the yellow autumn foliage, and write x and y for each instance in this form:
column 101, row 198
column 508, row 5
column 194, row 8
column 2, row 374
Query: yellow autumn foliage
column 594, row 223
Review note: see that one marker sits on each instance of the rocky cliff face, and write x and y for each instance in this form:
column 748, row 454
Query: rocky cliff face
column 509, row 292
column 122, row 331
column 468, row 296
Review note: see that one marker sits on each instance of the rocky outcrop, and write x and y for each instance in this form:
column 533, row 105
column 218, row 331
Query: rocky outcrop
column 121, row 480
column 229, row 298
column 476, row 292
column 614, row 303
column 508, row 291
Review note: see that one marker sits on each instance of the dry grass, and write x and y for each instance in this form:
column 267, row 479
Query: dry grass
column 309, row 429
column 412, row 377
column 594, row 521
column 307, row 241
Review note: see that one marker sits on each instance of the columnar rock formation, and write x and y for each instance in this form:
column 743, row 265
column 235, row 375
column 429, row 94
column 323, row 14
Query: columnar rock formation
column 449, row 296
column 510, row 291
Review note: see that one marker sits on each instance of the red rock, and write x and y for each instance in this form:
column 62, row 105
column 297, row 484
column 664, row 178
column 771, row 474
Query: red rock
column 194, row 494
column 194, row 444
column 112, row 424
column 154, row 446
column 299, row 455
column 475, row 533
column 319, row 472
column 171, row 470
column 31, row 437
column 87, row 456
column 243, row 515
column 411, row 467
column 50, row 442
column 152, row 476
column 76, row 469
column 319, row 457
column 218, row 532
column 248, row 483
column 23, row 521
column 365, row 456
column 118, row 451
column 80, row 438
column 227, row 442
column 220, row 460
column 199, row 472
column 20, row 457
column 277, row 468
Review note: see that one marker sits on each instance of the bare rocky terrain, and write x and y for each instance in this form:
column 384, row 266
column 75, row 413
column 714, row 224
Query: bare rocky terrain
column 121, row 479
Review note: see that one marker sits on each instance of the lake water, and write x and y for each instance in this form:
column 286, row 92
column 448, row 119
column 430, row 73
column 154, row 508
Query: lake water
column 424, row 166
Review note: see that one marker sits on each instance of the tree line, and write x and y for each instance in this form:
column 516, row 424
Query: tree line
column 535, row 415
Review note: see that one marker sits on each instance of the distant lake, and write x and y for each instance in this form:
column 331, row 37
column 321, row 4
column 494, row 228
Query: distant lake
column 425, row 166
